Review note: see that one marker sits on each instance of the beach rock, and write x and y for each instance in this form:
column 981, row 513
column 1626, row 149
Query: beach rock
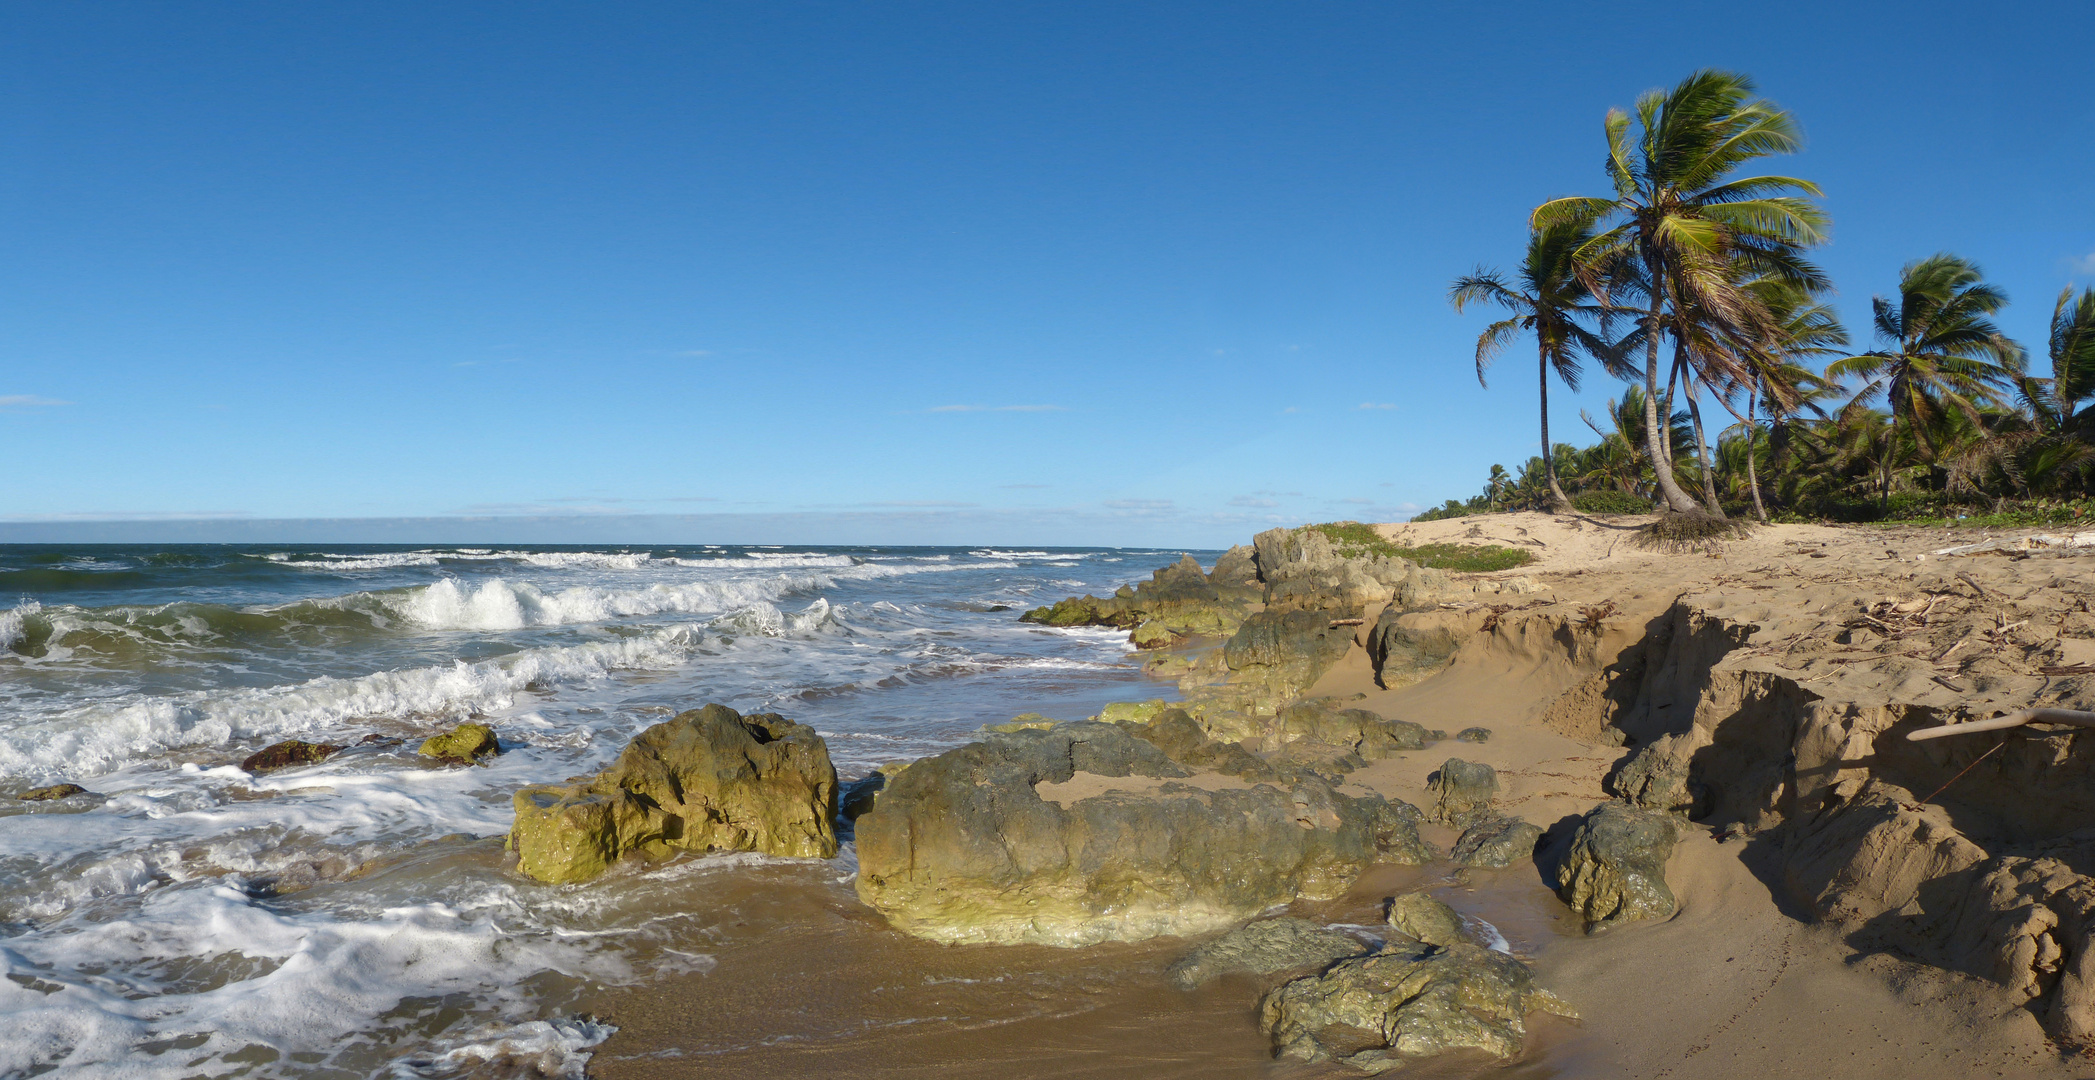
column 1462, row 791
column 1236, row 569
column 1263, row 948
column 964, row 848
column 1021, row 722
column 708, row 779
column 1407, row 646
column 55, row 791
column 1178, row 602
column 1358, row 730
column 1182, row 739
column 1304, row 568
column 1407, row 1002
column 1657, row 776
column 1279, row 654
column 855, row 797
column 1495, row 842
column 1422, row 918
column 1614, row 867
column 285, row 754
column 1473, row 735
column 464, row 744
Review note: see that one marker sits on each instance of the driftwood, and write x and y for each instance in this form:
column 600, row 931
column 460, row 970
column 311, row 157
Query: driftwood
column 2011, row 720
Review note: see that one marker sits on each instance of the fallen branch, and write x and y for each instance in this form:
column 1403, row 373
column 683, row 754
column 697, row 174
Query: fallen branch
column 1965, row 577
column 2012, row 720
column 1336, row 623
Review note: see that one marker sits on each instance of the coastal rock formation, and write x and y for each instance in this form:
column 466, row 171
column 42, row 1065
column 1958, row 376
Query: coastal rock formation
column 1306, row 568
column 1357, row 730
column 1278, row 654
column 1462, row 791
column 968, row 847
column 285, row 754
column 1184, row 740
column 1409, row 1001
column 52, row 793
column 1264, row 948
column 708, row 779
column 1658, row 776
column 464, row 744
column 1613, row 869
column 1495, row 842
column 1178, row 602
column 1422, row 918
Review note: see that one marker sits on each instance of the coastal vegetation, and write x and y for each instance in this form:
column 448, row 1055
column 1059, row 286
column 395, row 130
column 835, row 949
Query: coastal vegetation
column 1690, row 283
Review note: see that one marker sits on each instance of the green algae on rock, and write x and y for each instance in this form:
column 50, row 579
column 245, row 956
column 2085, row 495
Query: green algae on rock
column 707, row 779
column 963, row 847
column 1613, row 869
column 54, row 792
column 1422, row 918
column 1406, row 1002
column 290, row 752
column 1462, row 791
column 464, row 744
column 1178, row 602
column 1264, row 948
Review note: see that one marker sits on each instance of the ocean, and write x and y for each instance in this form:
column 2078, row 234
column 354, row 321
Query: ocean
column 356, row 918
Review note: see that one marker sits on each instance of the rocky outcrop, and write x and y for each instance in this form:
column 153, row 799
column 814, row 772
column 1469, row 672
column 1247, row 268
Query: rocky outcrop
column 465, row 744
column 1658, row 776
column 1613, row 868
column 1494, row 842
column 708, row 779
column 1356, row 730
column 964, row 847
column 1306, row 568
column 1178, row 602
column 1462, row 791
column 1266, row 947
column 1422, row 918
column 1409, row 1001
column 52, row 793
column 285, row 754
column 1278, row 654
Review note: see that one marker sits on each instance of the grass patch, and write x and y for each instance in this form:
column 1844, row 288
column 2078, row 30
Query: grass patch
column 1353, row 539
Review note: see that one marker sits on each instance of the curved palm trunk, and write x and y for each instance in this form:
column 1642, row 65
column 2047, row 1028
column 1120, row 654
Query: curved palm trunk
column 1677, row 500
column 1709, row 475
column 1760, row 509
column 1558, row 503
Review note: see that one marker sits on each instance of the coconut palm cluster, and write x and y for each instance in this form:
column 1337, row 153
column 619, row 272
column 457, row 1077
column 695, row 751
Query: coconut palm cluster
column 1692, row 283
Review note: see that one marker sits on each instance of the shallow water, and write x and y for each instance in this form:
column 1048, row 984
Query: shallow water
column 356, row 918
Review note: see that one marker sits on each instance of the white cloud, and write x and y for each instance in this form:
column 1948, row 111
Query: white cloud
column 1246, row 500
column 920, row 504
column 27, row 401
column 1137, row 504
column 1377, row 405
column 2085, row 264
column 1290, row 409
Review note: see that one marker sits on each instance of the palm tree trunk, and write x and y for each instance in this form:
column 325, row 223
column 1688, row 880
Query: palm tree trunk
column 1558, row 503
column 1661, row 465
column 1760, row 509
column 1709, row 475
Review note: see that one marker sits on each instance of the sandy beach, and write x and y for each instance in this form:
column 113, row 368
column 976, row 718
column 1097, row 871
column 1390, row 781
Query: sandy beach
column 1745, row 975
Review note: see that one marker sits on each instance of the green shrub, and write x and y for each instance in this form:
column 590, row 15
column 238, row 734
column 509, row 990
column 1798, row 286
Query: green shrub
column 1610, row 502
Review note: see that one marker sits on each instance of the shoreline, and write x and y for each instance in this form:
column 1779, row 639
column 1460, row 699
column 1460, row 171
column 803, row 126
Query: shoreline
column 1743, row 974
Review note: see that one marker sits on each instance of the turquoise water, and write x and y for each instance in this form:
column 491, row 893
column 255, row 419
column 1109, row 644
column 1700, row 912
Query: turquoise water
column 355, row 917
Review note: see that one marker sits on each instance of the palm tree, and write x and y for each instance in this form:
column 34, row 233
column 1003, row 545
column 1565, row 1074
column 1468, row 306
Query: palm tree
column 1678, row 214
column 1551, row 300
column 1802, row 329
column 2073, row 355
column 1941, row 351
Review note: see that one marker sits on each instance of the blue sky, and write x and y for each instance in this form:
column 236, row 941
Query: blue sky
column 1085, row 273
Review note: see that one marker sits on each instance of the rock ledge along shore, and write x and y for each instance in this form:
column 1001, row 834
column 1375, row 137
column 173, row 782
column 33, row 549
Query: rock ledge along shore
column 1697, row 765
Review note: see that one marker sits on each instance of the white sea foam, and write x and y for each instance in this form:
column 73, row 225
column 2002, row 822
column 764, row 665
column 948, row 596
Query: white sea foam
column 212, row 968
column 13, row 620
column 93, row 739
column 556, row 1049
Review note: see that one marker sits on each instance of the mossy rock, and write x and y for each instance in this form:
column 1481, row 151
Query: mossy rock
column 285, row 754
column 708, row 779
column 465, row 744
column 55, row 791
column 1022, row 722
